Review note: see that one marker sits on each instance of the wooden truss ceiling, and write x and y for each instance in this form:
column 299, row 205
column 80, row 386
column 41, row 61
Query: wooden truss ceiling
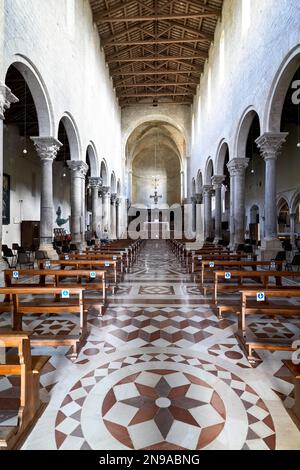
column 156, row 49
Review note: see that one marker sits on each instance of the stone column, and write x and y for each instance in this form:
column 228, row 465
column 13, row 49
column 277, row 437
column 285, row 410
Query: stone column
column 95, row 184
column 6, row 100
column 105, row 209
column 194, row 212
column 47, row 148
column 78, row 170
column 270, row 146
column 118, row 217
column 217, row 185
column 237, row 168
column 292, row 229
column 113, row 216
column 207, row 195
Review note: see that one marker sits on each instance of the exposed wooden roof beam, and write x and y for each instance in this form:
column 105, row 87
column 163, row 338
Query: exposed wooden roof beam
column 124, row 32
column 159, row 58
column 144, row 95
column 154, row 42
column 176, row 16
column 154, row 84
column 157, row 72
column 189, row 29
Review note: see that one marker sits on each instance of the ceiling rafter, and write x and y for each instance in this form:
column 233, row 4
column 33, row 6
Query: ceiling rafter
column 156, row 47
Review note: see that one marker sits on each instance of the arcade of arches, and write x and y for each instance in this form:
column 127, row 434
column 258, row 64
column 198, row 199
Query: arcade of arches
column 189, row 111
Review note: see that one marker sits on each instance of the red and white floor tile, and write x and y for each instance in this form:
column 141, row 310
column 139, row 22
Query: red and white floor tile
column 160, row 371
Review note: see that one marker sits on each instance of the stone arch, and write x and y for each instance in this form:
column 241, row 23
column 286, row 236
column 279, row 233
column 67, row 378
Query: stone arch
column 73, row 136
column 243, row 130
column 113, row 183
column 155, row 117
column 278, row 91
column 93, row 158
column 209, row 171
column 221, row 156
column 104, row 172
column 199, row 182
column 295, row 201
column 38, row 91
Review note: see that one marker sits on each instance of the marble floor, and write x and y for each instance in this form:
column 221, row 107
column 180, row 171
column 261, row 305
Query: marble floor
column 160, row 371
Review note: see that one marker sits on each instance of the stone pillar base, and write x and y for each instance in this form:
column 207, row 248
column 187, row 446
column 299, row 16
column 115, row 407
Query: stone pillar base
column 269, row 249
column 49, row 250
column 3, row 266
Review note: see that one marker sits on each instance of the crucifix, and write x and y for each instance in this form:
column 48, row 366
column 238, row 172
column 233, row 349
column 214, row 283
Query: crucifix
column 156, row 197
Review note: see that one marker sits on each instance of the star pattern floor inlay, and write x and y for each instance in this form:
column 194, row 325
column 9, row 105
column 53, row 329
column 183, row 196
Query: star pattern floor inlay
column 159, row 370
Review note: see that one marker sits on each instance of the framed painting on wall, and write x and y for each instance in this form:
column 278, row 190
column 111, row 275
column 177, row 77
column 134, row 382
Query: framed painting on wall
column 6, row 200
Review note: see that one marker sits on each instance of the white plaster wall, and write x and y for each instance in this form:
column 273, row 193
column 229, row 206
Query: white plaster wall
column 254, row 47
column 1, row 36
column 60, row 39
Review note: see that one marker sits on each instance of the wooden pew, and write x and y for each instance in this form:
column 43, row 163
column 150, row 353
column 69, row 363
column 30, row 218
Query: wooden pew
column 235, row 282
column 208, row 267
column 276, row 309
column 295, row 370
column 109, row 266
column 39, row 305
column 29, row 405
column 108, row 258
column 93, row 281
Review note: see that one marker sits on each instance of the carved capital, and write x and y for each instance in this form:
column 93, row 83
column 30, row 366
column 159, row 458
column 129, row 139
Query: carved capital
column 46, row 147
column 237, row 166
column 208, row 190
column 95, row 183
column 199, row 198
column 113, row 198
column 104, row 190
column 78, row 168
column 6, row 99
column 217, row 181
column 270, row 144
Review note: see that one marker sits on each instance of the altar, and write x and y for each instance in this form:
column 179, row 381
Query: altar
column 156, row 229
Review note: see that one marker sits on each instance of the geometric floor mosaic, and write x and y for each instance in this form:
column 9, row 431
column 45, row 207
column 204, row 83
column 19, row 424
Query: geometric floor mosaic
column 159, row 370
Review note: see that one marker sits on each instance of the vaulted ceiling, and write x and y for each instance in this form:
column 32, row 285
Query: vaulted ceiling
column 156, row 49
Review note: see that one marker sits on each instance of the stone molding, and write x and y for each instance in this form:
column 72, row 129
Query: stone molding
column 78, row 168
column 7, row 98
column 270, row 144
column 46, row 147
column 237, row 166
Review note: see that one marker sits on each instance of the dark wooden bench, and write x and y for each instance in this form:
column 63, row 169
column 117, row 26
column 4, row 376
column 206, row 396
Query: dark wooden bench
column 208, row 267
column 248, row 343
column 28, row 406
column 89, row 280
column 110, row 267
column 41, row 300
column 232, row 281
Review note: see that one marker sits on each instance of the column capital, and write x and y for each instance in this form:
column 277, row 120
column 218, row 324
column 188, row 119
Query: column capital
column 217, row 181
column 95, row 182
column 208, row 190
column 46, row 147
column 6, row 99
column 113, row 198
column 78, row 168
column 237, row 166
column 199, row 198
column 270, row 144
column 104, row 190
